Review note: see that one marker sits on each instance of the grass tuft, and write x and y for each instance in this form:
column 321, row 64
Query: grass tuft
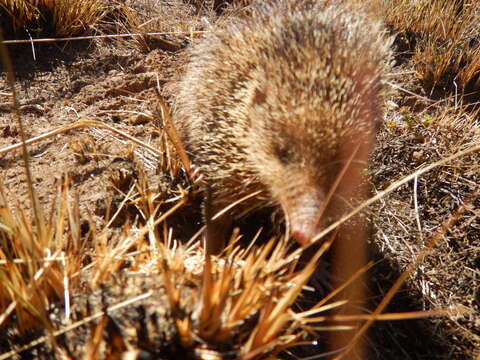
column 38, row 261
column 441, row 37
column 53, row 17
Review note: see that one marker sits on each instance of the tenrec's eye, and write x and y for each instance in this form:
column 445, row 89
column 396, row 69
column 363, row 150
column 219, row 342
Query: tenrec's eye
column 259, row 97
column 283, row 154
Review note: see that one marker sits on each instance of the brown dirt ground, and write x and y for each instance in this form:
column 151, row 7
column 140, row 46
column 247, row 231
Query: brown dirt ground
column 114, row 82
column 110, row 84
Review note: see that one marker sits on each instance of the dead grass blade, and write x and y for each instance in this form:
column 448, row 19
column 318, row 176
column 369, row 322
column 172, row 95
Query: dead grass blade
column 77, row 125
column 166, row 122
column 394, row 186
column 408, row 271
column 98, row 37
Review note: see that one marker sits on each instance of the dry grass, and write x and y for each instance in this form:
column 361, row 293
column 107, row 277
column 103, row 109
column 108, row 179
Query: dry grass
column 241, row 304
column 60, row 18
column 406, row 218
column 39, row 261
column 441, row 37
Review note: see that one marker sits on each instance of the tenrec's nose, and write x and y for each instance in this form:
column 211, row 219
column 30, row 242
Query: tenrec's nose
column 302, row 236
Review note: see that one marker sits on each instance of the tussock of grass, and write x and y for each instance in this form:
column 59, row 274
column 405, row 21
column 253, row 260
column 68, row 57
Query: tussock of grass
column 173, row 19
column 38, row 261
column 241, row 304
column 442, row 38
column 56, row 17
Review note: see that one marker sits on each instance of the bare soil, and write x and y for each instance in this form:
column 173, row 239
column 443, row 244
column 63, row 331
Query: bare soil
column 110, row 83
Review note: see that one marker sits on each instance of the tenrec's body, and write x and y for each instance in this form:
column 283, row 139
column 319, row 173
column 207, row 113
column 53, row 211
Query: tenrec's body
column 278, row 102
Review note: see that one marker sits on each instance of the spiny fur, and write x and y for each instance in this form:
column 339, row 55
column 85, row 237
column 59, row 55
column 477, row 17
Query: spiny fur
column 267, row 102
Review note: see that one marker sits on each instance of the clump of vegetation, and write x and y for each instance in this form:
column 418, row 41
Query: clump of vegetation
column 39, row 260
column 242, row 305
column 422, row 208
column 52, row 17
column 441, row 37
